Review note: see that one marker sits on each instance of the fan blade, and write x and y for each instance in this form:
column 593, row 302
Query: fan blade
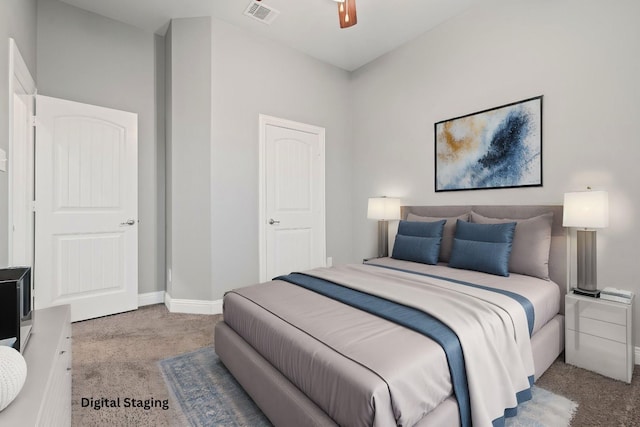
column 347, row 13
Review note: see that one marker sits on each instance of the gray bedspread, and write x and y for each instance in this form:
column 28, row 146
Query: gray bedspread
column 351, row 363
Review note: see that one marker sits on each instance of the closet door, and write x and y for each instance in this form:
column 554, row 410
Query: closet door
column 292, row 197
column 86, row 208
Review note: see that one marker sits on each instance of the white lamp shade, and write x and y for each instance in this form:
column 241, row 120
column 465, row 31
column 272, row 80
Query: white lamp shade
column 383, row 208
column 586, row 209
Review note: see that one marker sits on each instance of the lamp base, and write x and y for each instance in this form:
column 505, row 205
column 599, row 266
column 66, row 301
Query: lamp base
column 587, row 265
column 586, row 293
column 383, row 238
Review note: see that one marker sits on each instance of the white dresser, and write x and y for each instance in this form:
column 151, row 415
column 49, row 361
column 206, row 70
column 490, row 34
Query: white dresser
column 45, row 399
column 599, row 336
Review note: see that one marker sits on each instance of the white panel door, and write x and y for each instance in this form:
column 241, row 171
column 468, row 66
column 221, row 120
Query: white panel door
column 293, row 215
column 22, row 89
column 21, row 161
column 86, row 208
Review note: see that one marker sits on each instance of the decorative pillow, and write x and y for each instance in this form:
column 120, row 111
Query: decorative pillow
column 447, row 235
column 531, row 243
column 482, row 247
column 418, row 241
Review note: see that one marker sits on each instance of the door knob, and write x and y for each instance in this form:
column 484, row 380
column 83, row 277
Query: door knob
column 130, row 222
column 273, row 221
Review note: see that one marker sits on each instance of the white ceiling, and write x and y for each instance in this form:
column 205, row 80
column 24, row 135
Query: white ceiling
column 310, row 26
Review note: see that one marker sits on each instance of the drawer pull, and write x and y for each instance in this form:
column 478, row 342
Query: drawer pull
column 63, row 351
column 68, row 369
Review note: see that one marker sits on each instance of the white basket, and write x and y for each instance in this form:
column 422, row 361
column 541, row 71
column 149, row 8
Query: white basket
column 13, row 373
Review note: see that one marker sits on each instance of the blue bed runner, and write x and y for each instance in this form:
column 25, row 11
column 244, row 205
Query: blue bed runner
column 409, row 317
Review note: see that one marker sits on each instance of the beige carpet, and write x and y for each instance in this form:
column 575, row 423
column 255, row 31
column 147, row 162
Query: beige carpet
column 602, row 401
column 116, row 356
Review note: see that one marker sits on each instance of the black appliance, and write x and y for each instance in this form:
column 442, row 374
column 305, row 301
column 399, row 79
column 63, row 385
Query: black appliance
column 16, row 307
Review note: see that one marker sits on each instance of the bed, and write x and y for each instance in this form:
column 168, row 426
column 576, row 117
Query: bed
column 348, row 346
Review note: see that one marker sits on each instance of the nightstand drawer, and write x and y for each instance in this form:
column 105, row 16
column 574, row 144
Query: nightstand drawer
column 598, row 310
column 600, row 329
column 597, row 354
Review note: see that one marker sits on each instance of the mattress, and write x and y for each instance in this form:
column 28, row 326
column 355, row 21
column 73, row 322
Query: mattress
column 358, row 368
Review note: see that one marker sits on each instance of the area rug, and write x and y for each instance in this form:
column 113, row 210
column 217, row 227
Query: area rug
column 546, row 409
column 208, row 395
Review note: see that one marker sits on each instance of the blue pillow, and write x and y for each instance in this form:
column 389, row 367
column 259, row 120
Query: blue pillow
column 483, row 247
column 421, row 228
column 418, row 241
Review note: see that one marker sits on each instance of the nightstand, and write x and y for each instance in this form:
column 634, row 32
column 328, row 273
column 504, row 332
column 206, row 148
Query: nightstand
column 599, row 336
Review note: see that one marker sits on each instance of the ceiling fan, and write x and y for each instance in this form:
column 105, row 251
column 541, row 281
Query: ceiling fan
column 347, row 13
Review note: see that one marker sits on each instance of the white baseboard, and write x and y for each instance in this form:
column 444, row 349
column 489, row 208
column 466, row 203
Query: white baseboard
column 637, row 354
column 192, row 306
column 150, row 298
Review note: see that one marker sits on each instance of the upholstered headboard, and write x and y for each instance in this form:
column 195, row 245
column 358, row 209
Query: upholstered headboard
column 558, row 266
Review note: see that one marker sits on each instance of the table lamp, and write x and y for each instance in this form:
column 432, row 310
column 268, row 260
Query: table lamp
column 383, row 209
column 587, row 211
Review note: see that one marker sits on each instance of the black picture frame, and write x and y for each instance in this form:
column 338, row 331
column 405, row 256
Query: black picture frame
column 499, row 147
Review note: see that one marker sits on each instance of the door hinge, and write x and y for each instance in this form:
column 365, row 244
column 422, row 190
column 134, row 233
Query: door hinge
column 32, row 119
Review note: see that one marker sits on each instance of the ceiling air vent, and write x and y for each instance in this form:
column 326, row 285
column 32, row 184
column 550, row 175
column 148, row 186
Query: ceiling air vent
column 261, row 12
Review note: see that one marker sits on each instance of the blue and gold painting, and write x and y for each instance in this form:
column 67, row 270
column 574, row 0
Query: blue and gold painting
column 496, row 148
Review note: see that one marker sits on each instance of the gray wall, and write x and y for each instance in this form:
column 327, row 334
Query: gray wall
column 17, row 20
column 252, row 75
column 581, row 55
column 188, row 152
column 213, row 94
column 87, row 58
column 168, row 120
column 161, row 159
column 212, row 179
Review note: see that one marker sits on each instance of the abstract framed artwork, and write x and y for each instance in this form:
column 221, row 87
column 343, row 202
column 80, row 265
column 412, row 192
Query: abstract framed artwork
column 496, row 148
